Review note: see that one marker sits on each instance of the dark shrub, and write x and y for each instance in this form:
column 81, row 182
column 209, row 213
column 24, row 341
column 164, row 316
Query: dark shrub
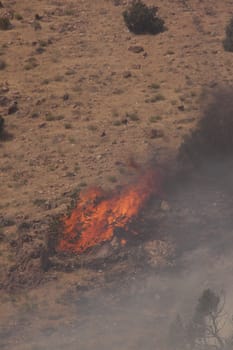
column 1, row 125
column 228, row 41
column 213, row 136
column 5, row 23
column 141, row 19
column 2, row 64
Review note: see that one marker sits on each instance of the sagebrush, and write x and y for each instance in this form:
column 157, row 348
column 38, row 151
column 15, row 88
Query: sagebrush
column 142, row 19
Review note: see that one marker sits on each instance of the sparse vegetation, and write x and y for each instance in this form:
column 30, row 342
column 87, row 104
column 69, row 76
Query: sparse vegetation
column 68, row 126
column 39, row 202
column 92, row 127
column 155, row 118
column 36, row 25
column 112, row 178
column 82, row 184
column 2, row 64
column 5, row 23
column 72, row 140
column 45, row 82
column 228, row 40
column 69, row 12
column 18, row 16
column 31, row 63
column 156, row 98
column 154, row 86
column 141, row 19
column 58, row 78
column 132, row 116
column 50, row 117
column 2, row 122
column 117, row 123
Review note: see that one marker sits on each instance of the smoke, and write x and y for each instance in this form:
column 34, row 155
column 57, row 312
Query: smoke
column 135, row 311
column 137, row 315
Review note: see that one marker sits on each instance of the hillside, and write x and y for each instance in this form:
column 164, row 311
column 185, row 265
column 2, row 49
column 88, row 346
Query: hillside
column 87, row 105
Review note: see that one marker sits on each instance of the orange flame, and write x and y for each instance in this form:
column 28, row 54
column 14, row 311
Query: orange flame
column 96, row 216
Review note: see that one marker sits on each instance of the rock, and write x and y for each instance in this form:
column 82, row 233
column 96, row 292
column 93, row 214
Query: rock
column 103, row 134
column 136, row 49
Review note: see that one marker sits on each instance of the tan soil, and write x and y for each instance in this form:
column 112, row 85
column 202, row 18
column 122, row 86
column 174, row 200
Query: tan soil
column 57, row 144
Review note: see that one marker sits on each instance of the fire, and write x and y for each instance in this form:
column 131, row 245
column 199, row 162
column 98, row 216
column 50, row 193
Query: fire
column 97, row 215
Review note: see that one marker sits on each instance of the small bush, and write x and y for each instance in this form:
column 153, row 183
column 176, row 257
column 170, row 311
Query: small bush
column 141, row 19
column 228, row 41
column 213, row 136
column 2, row 121
column 31, row 63
column 132, row 116
column 18, row 16
column 2, row 64
column 5, row 23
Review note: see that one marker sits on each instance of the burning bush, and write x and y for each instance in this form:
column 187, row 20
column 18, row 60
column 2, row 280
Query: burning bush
column 141, row 19
column 228, row 41
column 213, row 136
column 98, row 215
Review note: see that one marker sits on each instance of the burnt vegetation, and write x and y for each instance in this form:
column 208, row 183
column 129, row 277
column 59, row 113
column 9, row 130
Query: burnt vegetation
column 206, row 328
column 142, row 19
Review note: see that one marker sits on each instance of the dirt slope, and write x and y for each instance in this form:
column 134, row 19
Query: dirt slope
column 86, row 103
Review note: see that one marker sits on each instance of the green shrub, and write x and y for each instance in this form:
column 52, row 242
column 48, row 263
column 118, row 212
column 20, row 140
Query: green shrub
column 228, row 41
column 18, row 16
column 141, row 19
